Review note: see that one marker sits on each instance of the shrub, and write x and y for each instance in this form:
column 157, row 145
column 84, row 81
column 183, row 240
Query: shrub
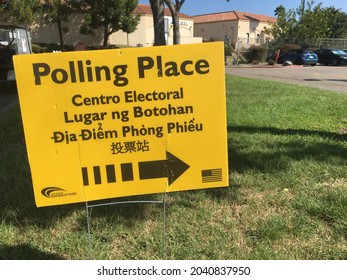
column 255, row 54
column 228, row 50
column 44, row 47
column 271, row 61
column 36, row 48
column 288, row 47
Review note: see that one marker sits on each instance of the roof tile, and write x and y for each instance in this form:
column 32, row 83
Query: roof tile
column 146, row 10
column 232, row 15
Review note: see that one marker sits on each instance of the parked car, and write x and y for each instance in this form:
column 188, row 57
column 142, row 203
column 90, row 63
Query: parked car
column 332, row 57
column 300, row 57
column 14, row 40
column 280, row 56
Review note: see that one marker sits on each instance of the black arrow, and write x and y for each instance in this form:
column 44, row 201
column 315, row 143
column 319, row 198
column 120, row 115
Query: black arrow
column 172, row 168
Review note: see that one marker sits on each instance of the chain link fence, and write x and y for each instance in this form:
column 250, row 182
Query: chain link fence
column 333, row 43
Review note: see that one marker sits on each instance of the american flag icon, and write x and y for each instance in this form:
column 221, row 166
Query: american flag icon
column 211, row 175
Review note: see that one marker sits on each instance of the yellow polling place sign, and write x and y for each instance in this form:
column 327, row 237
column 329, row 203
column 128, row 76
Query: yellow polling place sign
column 116, row 123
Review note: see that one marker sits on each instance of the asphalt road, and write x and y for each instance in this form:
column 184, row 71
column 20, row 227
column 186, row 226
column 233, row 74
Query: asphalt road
column 325, row 77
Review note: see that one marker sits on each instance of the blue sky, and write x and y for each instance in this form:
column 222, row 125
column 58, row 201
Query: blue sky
column 265, row 7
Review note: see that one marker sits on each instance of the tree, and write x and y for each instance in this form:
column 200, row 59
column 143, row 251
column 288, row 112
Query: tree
column 337, row 22
column 302, row 8
column 110, row 15
column 313, row 24
column 19, row 12
column 58, row 11
column 283, row 26
column 157, row 7
column 308, row 23
column 175, row 9
column 3, row 6
column 129, row 25
column 280, row 11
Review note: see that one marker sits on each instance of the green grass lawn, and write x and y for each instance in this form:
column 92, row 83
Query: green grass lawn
column 287, row 197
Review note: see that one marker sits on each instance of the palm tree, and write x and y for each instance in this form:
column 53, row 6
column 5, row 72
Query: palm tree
column 279, row 10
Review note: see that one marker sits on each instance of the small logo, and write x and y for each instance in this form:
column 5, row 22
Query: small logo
column 52, row 192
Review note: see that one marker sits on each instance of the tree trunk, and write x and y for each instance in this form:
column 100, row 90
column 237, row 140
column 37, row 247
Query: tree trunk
column 175, row 22
column 106, row 35
column 61, row 39
column 157, row 7
column 176, row 29
column 175, row 10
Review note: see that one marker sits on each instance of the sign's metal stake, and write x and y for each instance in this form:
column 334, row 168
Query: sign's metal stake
column 164, row 226
column 89, row 236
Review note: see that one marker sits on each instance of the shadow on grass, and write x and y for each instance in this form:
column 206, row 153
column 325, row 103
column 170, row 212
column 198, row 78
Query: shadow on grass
column 289, row 131
column 25, row 252
column 277, row 155
column 17, row 206
column 17, row 203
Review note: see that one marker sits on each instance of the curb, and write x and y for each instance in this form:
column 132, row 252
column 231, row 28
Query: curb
column 264, row 66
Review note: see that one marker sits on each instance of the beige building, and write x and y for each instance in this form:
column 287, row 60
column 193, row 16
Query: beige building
column 239, row 29
column 143, row 36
